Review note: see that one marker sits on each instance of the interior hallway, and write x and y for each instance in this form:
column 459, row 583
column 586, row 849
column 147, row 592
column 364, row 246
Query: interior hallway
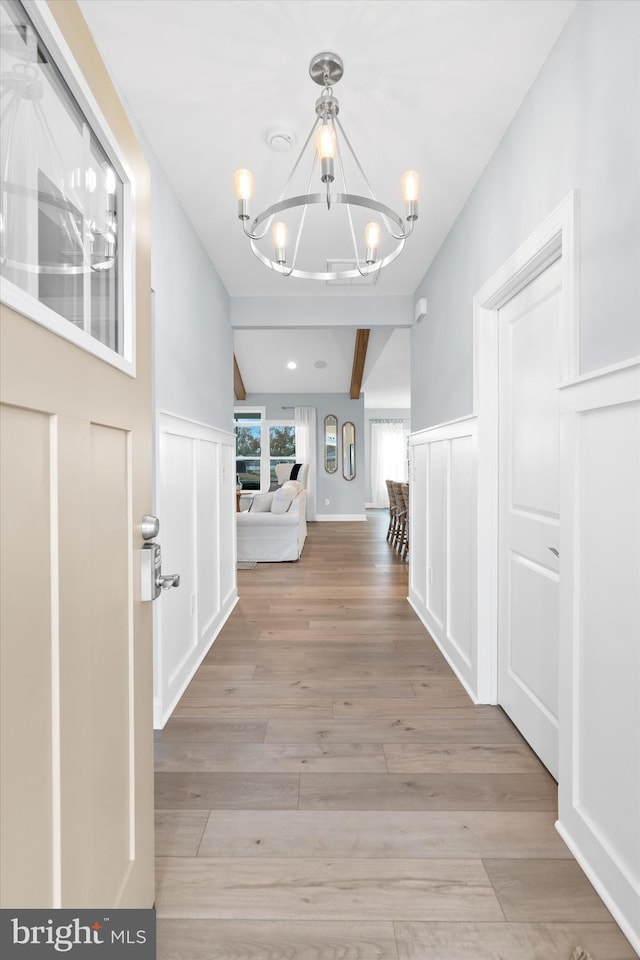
column 326, row 790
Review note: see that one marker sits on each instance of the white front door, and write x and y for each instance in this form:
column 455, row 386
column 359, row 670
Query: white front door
column 76, row 732
column 528, row 512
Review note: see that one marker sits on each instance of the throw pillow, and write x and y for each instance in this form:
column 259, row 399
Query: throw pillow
column 295, row 470
column 282, row 499
column 294, row 485
column 261, row 503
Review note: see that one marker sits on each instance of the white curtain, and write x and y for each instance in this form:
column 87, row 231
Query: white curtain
column 388, row 458
column 306, row 452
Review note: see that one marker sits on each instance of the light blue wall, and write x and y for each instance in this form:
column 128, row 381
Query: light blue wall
column 345, row 496
column 578, row 127
column 193, row 340
column 321, row 311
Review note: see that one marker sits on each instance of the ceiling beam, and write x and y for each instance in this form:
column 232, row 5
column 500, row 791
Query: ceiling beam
column 238, row 385
column 359, row 357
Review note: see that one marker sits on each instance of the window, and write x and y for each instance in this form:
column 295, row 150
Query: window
column 248, row 426
column 260, row 445
column 63, row 196
column 282, row 447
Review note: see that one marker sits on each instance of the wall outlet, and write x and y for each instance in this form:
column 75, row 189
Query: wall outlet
column 326, row 503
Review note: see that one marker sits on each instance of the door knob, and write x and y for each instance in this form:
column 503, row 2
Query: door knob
column 150, row 527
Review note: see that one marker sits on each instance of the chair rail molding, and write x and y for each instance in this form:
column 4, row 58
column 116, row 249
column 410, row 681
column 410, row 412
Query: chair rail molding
column 556, row 237
column 442, row 570
column 599, row 786
column 195, row 502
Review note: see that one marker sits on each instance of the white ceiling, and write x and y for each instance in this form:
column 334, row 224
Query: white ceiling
column 430, row 85
column 263, row 356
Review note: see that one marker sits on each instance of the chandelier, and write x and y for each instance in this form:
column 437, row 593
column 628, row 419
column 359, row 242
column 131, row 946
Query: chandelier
column 384, row 236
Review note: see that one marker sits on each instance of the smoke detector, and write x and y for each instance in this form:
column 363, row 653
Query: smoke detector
column 280, row 139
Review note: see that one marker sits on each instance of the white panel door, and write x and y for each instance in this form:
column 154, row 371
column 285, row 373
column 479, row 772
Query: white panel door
column 529, row 512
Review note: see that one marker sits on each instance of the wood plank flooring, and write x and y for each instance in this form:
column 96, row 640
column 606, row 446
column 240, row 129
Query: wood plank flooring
column 326, row 790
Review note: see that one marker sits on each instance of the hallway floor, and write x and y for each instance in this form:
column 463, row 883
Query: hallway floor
column 326, row 790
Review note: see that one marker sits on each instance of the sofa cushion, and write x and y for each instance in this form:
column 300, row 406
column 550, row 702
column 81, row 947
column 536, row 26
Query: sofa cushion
column 283, row 498
column 261, row 503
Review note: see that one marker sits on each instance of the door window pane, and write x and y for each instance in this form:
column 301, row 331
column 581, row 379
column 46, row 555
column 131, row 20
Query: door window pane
column 61, row 196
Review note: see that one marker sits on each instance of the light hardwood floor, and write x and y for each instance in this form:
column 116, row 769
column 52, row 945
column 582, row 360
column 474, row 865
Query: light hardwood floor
column 327, row 791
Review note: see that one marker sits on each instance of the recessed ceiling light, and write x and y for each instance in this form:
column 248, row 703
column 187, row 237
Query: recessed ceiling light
column 320, row 364
column 292, row 365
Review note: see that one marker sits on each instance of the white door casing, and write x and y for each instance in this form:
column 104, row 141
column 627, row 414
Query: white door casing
column 529, row 522
column 556, row 236
column 77, row 746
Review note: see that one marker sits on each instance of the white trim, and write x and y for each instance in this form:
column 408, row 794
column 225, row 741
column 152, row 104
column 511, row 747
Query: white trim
column 615, row 368
column 336, row 517
column 623, row 922
column 444, row 431
column 588, row 838
column 22, row 302
column 433, row 633
column 16, row 298
column 161, row 711
column 556, row 237
column 175, row 424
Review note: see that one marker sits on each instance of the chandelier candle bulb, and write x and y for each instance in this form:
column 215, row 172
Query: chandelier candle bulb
column 243, row 182
column 279, row 234
column 409, row 187
column 326, row 147
column 372, row 239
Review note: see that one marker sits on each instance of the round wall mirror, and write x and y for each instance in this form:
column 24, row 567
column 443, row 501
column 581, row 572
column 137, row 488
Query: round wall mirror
column 331, row 443
column 348, row 450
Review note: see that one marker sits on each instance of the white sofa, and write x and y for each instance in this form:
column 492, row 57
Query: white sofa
column 274, row 528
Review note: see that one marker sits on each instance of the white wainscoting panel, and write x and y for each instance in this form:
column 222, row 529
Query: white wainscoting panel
column 461, row 574
column 418, row 522
column 195, row 504
column 599, row 800
column 437, row 544
column 442, row 558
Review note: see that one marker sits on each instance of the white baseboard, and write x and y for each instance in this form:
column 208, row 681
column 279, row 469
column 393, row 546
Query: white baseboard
column 623, row 922
column 430, row 628
column 337, row 517
column 162, row 712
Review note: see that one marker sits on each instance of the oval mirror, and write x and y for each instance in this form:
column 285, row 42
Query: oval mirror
column 348, row 450
column 331, row 443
